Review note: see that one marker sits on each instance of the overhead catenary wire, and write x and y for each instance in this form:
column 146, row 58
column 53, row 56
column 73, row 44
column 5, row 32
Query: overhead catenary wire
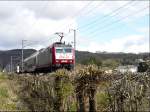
column 116, row 10
column 105, row 16
column 22, row 51
column 77, row 14
column 88, row 5
column 95, row 7
column 111, row 24
column 100, row 26
column 40, row 11
column 39, row 42
column 62, row 25
column 89, row 11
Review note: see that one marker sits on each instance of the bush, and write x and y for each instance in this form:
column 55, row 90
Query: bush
column 81, row 89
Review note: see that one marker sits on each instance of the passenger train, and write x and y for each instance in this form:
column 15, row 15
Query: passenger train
column 58, row 55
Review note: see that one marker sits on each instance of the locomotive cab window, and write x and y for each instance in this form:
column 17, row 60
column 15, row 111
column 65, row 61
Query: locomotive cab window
column 68, row 50
column 59, row 50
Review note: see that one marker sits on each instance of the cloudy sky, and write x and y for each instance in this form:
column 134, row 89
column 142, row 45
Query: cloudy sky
column 113, row 26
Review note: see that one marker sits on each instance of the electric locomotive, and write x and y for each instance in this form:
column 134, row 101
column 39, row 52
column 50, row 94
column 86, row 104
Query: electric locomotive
column 58, row 55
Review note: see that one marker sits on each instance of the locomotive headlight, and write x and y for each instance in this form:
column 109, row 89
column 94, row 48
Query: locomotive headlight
column 57, row 61
column 70, row 60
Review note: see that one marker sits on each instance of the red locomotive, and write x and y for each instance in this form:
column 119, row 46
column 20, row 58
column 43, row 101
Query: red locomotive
column 58, row 55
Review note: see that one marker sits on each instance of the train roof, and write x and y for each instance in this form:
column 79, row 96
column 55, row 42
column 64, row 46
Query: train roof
column 60, row 44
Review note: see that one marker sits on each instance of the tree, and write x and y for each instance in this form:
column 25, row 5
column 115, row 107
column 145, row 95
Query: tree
column 142, row 67
column 92, row 60
column 110, row 63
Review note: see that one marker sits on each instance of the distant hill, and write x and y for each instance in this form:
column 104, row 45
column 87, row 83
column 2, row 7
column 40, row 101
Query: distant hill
column 84, row 55
column 81, row 56
column 5, row 56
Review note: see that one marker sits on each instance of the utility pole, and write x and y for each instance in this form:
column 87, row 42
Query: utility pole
column 22, row 63
column 74, row 45
column 11, row 64
column 22, row 56
column 149, row 48
column 61, row 34
column 9, row 68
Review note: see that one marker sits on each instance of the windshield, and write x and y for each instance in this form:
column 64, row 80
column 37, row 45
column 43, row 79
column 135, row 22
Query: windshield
column 65, row 50
column 59, row 50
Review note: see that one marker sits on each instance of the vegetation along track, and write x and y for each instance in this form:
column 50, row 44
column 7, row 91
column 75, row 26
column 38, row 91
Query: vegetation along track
column 87, row 89
column 9, row 100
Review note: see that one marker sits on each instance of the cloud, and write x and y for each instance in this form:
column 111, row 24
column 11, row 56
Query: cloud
column 43, row 9
column 13, row 34
column 38, row 20
column 53, row 10
column 22, row 23
column 132, row 43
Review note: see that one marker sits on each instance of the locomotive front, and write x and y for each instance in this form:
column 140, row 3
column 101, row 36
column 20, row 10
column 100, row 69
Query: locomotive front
column 63, row 56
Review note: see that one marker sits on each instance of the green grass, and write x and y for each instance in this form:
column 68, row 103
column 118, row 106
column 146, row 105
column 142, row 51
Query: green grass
column 6, row 94
column 102, row 100
column 2, row 76
column 3, row 92
column 8, row 107
column 73, row 107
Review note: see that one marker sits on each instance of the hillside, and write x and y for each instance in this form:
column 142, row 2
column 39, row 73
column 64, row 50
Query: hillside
column 123, row 58
column 81, row 56
column 5, row 56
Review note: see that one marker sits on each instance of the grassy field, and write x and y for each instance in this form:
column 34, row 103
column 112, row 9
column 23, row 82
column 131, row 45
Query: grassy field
column 88, row 89
column 8, row 98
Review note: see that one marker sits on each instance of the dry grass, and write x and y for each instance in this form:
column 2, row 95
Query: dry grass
column 72, row 91
column 8, row 98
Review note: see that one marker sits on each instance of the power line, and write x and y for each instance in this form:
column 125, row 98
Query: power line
column 76, row 14
column 35, row 23
column 89, row 11
column 80, row 11
column 107, row 15
column 102, row 22
column 41, row 42
column 22, row 52
column 111, row 24
column 98, row 27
